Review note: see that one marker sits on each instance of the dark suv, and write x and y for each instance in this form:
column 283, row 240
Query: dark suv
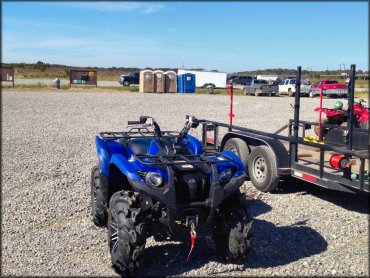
column 131, row 78
column 242, row 80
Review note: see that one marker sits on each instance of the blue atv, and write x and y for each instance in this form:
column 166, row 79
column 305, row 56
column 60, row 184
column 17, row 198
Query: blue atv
column 147, row 176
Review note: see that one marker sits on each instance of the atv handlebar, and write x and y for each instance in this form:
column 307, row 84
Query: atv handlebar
column 191, row 122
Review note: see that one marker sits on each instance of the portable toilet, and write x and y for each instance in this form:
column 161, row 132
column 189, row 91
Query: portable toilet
column 159, row 81
column 170, row 81
column 146, row 82
column 186, row 83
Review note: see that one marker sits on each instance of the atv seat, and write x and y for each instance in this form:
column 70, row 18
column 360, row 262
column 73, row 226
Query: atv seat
column 140, row 146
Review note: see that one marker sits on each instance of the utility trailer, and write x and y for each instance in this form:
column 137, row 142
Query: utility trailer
column 204, row 78
column 338, row 162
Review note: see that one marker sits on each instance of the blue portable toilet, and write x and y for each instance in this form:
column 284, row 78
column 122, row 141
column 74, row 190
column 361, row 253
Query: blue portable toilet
column 186, row 83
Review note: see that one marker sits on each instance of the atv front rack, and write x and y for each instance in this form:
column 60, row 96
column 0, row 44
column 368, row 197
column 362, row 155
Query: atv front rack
column 151, row 160
column 135, row 132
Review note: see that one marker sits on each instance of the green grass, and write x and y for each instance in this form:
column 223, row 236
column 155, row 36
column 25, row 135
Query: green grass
column 39, row 86
column 237, row 92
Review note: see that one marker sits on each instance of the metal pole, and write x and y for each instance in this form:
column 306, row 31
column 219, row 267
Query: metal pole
column 351, row 97
column 230, row 90
column 320, row 114
column 296, row 113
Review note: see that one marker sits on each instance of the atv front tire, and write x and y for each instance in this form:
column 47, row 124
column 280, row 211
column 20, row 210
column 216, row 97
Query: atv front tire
column 231, row 230
column 99, row 189
column 126, row 232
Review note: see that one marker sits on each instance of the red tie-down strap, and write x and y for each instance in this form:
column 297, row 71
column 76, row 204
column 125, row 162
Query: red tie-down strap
column 193, row 236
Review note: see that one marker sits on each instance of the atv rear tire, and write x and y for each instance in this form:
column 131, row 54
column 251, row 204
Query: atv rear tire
column 99, row 189
column 231, row 230
column 126, row 232
column 262, row 169
column 239, row 147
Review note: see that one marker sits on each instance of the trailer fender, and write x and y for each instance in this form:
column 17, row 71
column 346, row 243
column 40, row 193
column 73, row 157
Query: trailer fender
column 254, row 140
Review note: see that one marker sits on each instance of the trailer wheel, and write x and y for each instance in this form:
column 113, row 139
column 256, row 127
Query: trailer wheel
column 262, row 169
column 239, row 147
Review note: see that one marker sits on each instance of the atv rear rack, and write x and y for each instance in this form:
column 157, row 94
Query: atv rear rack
column 136, row 132
column 151, row 160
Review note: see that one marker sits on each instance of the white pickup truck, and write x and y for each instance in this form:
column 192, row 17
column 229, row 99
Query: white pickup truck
column 287, row 87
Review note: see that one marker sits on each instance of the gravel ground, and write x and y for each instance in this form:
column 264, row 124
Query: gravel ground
column 48, row 151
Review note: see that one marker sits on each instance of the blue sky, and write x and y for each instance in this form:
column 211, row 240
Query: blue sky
column 227, row 36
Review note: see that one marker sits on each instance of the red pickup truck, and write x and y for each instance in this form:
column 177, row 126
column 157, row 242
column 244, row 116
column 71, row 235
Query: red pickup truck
column 331, row 87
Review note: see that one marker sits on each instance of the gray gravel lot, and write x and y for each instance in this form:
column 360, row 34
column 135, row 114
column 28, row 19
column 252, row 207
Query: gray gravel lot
column 48, row 151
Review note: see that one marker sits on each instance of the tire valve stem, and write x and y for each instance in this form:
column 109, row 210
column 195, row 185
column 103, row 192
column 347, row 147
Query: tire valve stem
column 193, row 236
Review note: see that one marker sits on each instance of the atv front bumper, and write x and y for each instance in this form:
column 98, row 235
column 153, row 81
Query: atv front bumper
column 166, row 194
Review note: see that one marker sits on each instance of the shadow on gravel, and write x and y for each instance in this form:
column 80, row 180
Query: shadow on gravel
column 275, row 246
column 353, row 202
column 271, row 246
column 168, row 256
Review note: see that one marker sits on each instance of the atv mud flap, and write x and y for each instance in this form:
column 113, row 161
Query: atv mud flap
column 167, row 194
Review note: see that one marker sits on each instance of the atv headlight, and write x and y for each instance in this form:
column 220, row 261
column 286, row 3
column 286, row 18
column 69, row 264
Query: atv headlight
column 225, row 176
column 154, row 178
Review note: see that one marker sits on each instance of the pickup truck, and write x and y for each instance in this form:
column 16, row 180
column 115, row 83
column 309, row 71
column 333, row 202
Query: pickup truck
column 330, row 87
column 255, row 87
column 131, row 78
column 287, row 87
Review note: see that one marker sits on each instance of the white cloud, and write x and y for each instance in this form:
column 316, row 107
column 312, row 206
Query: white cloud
column 150, row 9
column 137, row 7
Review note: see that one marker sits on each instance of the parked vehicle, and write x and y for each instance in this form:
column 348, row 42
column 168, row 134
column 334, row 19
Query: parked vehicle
column 271, row 89
column 242, row 80
column 131, row 78
column 255, row 87
column 150, row 180
column 330, row 87
column 202, row 78
column 287, row 86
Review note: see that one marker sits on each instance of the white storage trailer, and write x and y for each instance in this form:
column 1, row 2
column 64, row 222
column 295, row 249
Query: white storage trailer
column 267, row 77
column 204, row 77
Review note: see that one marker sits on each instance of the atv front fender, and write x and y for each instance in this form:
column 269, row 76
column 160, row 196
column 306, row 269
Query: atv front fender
column 125, row 167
